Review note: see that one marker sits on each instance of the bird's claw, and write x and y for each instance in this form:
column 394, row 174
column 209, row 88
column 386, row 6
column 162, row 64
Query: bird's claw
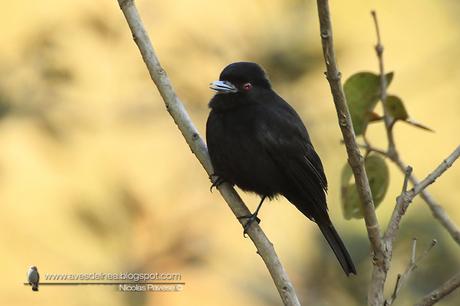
column 251, row 218
column 216, row 181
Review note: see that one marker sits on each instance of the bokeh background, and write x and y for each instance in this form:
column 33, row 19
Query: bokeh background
column 95, row 177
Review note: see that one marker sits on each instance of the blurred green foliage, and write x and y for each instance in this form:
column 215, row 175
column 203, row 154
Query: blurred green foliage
column 379, row 180
column 362, row 91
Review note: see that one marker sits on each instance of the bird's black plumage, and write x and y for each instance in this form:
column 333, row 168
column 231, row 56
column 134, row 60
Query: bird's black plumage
column 258, row 142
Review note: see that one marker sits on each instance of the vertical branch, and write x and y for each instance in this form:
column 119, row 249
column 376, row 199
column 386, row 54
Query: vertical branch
column 383, row 89
column 354, row 155
column 184, row 123
column 355, row 159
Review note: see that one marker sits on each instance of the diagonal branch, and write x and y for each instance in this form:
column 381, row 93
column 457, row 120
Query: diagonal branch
column 403, row 278
column 174, row 106
column 406, row 197
column 438, row 294
column 436, row 209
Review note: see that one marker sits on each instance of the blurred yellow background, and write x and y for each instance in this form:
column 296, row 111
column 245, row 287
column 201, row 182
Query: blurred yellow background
column 95, row 176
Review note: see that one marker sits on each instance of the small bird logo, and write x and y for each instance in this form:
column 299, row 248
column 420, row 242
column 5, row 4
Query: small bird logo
column 33, row 278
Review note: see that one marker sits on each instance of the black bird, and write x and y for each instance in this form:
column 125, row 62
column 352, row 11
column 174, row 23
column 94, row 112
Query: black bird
column 258, row 142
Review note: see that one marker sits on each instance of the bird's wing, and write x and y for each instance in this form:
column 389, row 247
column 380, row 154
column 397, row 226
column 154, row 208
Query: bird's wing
column 285, row 138
column 32, row 276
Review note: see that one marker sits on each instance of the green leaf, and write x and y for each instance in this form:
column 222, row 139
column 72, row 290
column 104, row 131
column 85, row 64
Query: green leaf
column 395, row 108
column 379, row 178
column 349, row 195
column 362, row 91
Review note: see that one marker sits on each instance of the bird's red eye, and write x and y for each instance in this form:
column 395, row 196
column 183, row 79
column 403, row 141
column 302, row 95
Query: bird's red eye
column 247, row 86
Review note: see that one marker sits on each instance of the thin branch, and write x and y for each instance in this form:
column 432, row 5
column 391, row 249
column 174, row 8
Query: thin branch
column 355, row 159
column 368, row 147
column 181, row 118
column 436, row 209
column 438, row 294
column 408, row 172
column 402, row 204
column 413, row 261
column 431, row 178
column 406, row 197
column 383, row 88
column 395, row 291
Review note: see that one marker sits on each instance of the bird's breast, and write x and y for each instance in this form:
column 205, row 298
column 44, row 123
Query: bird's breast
column 237, row 155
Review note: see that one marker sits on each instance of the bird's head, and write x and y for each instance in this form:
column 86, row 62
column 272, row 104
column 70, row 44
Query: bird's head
column 241, row 77
column 33, row 268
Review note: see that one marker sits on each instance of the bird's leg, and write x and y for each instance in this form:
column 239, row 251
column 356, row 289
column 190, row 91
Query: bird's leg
column 216, row 181
column 252, row 217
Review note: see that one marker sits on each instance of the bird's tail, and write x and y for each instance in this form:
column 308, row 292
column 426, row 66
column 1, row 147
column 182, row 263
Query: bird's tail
column 338, row 247
column 35, row 287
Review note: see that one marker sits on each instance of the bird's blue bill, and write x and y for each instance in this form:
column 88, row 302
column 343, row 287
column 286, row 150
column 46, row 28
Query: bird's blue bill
column 223, row 87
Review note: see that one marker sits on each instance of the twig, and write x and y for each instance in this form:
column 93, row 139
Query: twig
column 402, row 204
column 403, row 278
column 445, row 289
column 446, row 164
column 408, row 172
column 436, row 209
column 395, row 292
column 406, row 197
column 383, row 88
column 355, row 159
column 181, row 118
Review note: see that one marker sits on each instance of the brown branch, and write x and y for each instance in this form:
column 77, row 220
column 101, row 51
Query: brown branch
column 402, row 203
column 403, row 278
column 406, row 197
column 184, row 123
column 355, row 159
column 383, row 88
column 438, row 294
column 436, row 209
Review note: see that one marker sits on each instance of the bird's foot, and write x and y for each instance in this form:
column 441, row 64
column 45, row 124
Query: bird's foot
column 251, row 218
column 216, row 181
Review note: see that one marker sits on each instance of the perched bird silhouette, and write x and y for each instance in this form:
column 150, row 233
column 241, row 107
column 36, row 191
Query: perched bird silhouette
column 33, row 278
column 258, row 142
